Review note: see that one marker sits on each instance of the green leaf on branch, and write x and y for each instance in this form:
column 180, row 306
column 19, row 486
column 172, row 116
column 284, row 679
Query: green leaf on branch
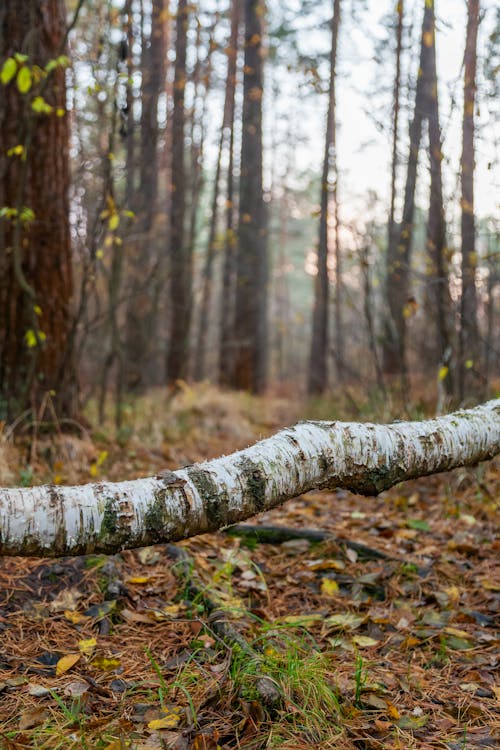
column 32, row 339
column 24, row 80
column 114, row 221
column 16, row 150
column 40, row 106
column 8, row 72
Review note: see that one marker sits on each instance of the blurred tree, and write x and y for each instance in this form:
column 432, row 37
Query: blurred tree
column 36, row 281
column 180, row 254
column 469, row 365
column 141, row 309
column 318, row 368
column 250, row 333
column 225, row 137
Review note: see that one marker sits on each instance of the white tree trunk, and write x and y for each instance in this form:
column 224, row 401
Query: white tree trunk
column 364, row 458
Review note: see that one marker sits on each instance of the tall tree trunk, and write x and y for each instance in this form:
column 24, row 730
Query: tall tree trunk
column 228, row 302
column 438, row 277
column 318, row 363
column 469, row 331
column 141, row 323
column 36, row 281
column 252, row 263
column 180, row 271
column 398, row 278
column 364, row 458
column 392, row 255
column 225, row 135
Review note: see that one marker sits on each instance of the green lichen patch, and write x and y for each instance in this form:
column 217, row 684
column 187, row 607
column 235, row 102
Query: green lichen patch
column 255, row 481
column 214, row 498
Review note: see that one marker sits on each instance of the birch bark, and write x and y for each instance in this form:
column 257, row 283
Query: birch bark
column 364, row 458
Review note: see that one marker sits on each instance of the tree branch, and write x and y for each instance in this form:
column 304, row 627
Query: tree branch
column 363, row 458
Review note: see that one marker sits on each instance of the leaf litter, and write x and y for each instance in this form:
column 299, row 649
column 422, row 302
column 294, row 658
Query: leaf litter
column 399, row 649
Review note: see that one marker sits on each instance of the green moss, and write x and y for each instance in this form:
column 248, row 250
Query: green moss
column 109, row 523
column 155, row 516
column 217, row 501
column 255, row 481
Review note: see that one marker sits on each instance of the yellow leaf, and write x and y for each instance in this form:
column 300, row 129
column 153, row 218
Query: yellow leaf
column 60, row 112
column 469, row 364
column 87, row 646
column 169, row 721
column 114, row 221
column 138, row 579
column 105, row 663
column 30, row 338
column 16, row 150
column 490, row 585
column 329, row 587
column 23, row 80
column 364, row 641
column 93, row 470
column 99, row 254
column 65, row 663
column 302, row 620
column 393, row 711
column 443, row 372
column 102, row 457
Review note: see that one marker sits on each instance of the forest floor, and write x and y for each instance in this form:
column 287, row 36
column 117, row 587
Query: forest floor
column 384, row 635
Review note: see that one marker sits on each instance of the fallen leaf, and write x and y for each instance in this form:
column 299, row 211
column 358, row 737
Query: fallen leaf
column 32, row 718
column 65, row 663
column 393, row 711
column 169, row 721
column 75, row 617
column 303, row 620
column 346, row 620
column 87, row 646
column 329, row 587
column 66, row 600
column 325, row 565
column 351, row 555
column 38, row 691
column 101, row 610
column 364, row 641
column 106, row 663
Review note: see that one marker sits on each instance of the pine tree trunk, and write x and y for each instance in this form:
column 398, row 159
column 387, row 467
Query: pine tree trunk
column 227, row 304
column 392, row 255
column 438, row 277
column 398, row 278
column 469, row 332
column 180, row 272
column 364, row 458
column 36, row 281
column 250, row 333
column 318, row 363
column 141, row 322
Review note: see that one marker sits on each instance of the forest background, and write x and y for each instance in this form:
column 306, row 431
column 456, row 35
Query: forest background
column 249, row 194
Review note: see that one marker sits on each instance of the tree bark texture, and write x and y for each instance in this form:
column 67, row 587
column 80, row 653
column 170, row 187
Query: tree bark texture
column 141, row 319
column 364, row 458
column 318, row 364
column 398, row 274
column 469, row 332
column 438, row 294
column 180, row 257
column 36, row 282
column 250, row 334
column 225, row 136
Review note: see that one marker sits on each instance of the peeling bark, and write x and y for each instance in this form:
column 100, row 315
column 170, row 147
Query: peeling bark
column 364, row 458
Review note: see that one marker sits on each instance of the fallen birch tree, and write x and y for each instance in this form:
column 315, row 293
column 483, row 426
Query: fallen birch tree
column 364, row 458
